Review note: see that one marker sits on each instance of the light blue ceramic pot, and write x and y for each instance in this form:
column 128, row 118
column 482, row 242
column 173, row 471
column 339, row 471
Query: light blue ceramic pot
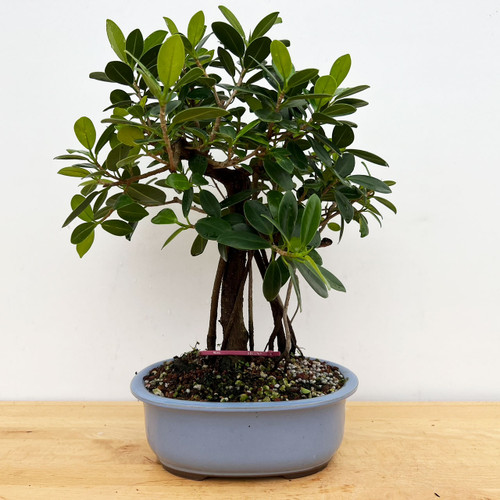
column 206, row 439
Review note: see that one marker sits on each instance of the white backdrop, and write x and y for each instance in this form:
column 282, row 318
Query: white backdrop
column 420, row 319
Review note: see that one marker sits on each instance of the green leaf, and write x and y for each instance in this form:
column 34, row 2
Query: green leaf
column 345, row 164
column 281, row 59
column 116, row 39
column 333, row 226
column 196, row 28
column 324, row 85
column 198, row 246
column 257, row 52
column 254, row 211
column 86, row 215
column 344, row 206
column 198, row 114
column 273, row 200
column 312, row 278
column 187, row 201
column 371, row 183
column 287, row 214
column 132, row 212
column 135, row 43
column 120, row 72
column 351, row 90
column 265, row 25
column 73, row 172
column 278, row 175
column 340, row 68
column 84, row 246
column 117, row 227
column 310, row 220
column 165, row 216
column 81, row 207
column 268, row 115
column 116, row 155
column 272, row 281
column 333, row 281
column 386, row 203
column 128, row 135
column 192, row 75
column 171, row 26
column 365, row 155
column 301, row 77
column 229, row 37
column 156, row 38
column 339, row 110
column 71, row 157
column 363, row 226
column 342, row 136
column 105, row 138
column 321, row 152
column 146, row 194
column 171, row 60
column 236, row 198
column 241, row 240
column 226, row 61
column 178, row 181
column 232, row 19
column 81, row 232
column 85, row 132
column 100, row 76
column 246, row 129
column 210, row 204
column 211, row 228
column 198, row 164
column 295, row 281
column 173, row 235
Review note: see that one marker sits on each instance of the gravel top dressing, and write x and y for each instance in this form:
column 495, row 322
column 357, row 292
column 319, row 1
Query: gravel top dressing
column 255, row 379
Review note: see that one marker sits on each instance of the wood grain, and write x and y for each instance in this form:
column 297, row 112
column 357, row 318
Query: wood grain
column 67, row 451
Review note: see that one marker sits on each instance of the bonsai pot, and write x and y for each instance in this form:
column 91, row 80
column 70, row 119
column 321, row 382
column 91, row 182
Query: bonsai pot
column 196, row 439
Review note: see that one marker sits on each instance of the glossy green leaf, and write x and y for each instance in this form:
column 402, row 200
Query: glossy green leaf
column 146, row 194
column 344, row 206
column 365, row 155
column 100, row 76
column 345, row 164
column 196, row 28
column 187, row 201
column 257, row 52
column 132, row 212
column 116, row 155
column 165, row 216
column 310, row 220
column 171, row 60
column 301, row 77
column 229, row 37
column 178, row 181
column 82, row 231
column 281, row 59
column 363, row 226
column 81, row 207
column 287, row 213
column 295, row 281
column 351, row 91
column 116, row 39
column 278, row 175
column 386, row 203
column 84, row 246
column 192, row 75
column 120, row 72
column 173, row 235
column 333, row 226
column 312, row 278
column 265, row 25
column 272, row 281
column 339, row 110
column 333, row 281
column 370, row 182
column 198, row 246
column 85, row 132
column 73, row 172
column 268, row 115
column 243, row 241
column 254, row 211
column 198, row 164
column 211, row 228
column 210, row 204
column 342, row 136
column 88, row 214
column 171, row 26
column 236, row 198
column 105, row 138
column 198, row 114
column 117, row 227
column 135, row 43
column 128, row 135
column 233, row 20
column 340, row 68
column 156, row 38
column 226, row 61
column 325, row 84
column 273, row 200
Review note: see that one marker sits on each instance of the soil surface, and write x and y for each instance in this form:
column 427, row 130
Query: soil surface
column 250, row 379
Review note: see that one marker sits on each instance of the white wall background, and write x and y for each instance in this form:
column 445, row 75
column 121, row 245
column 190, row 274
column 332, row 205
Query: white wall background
column 420, row 319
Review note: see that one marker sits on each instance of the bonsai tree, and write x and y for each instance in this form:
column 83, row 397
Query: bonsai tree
column 254, row 153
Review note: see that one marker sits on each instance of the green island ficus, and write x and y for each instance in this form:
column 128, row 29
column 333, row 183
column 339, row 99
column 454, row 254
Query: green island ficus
column 254, row 153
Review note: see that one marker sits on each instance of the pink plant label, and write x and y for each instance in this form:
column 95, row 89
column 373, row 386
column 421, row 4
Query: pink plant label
column 267, row 354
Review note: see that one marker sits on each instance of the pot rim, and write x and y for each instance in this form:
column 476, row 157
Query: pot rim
column 142, row 394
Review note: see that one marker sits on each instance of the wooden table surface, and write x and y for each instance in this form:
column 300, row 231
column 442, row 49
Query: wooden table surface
column 64, row 451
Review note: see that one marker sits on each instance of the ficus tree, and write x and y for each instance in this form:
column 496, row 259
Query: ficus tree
column 255, row 153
